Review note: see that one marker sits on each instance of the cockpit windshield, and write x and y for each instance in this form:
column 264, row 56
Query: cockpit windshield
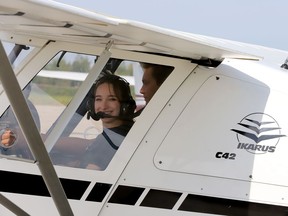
column 48, row 95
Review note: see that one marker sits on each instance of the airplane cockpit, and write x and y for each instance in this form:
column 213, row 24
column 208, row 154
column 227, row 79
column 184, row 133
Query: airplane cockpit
column 49, row 95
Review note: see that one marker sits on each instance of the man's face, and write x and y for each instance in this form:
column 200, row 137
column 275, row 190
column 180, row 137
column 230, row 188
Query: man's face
column 149, row 85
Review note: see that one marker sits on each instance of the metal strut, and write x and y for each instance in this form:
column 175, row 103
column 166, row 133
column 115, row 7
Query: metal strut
column 31, row 134
column 12, row 206
column 30, row 130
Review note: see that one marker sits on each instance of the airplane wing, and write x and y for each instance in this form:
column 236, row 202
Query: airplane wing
column 71, row 24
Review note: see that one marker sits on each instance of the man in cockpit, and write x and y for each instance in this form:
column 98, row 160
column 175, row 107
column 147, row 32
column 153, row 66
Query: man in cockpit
column 153, row 77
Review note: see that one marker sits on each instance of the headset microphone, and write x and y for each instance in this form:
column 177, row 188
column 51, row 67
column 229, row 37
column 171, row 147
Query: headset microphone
column 96, row 116
column 99, row 115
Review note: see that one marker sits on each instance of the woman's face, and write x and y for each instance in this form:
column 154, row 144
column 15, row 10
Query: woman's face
column 107, row 102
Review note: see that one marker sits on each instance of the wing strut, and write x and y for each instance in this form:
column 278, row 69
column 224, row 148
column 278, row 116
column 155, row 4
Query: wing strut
column 31, row 133
column 11, row 206
column 78, row 97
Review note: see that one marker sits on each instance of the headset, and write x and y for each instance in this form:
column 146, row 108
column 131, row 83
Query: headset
column 127, row 103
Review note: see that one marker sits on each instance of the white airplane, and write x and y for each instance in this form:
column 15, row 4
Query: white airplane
column 212, row 141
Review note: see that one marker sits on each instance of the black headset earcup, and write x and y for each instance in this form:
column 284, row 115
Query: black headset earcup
column 124, row 109
column 128, row 108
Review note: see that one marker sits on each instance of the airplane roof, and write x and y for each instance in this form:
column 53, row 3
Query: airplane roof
column 56, row 21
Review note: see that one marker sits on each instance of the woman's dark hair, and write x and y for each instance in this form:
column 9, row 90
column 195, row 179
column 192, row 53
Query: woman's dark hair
column 120, row 85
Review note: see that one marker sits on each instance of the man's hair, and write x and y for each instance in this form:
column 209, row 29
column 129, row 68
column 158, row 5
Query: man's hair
column 159, row 72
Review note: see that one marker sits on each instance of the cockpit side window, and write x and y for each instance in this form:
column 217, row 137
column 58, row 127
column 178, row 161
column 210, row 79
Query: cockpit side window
column 85, row 142
column 47, row 96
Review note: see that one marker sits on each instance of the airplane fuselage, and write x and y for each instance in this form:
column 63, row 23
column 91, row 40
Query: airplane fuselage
column 212, row 141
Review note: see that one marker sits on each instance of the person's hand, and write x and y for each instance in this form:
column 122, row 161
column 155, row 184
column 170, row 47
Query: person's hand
column 8, row 138
column 93, row 166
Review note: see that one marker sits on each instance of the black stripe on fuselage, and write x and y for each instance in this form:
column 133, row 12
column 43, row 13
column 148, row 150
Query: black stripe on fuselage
column 127, row 195
column 22, row 183
column 220, row 206
column 98, row 192
column 160, row 199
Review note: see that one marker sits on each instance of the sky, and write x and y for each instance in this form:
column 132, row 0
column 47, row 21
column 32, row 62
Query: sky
column 258, row 22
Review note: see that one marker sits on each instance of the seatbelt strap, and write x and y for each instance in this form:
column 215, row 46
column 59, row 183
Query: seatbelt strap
column 109, row 141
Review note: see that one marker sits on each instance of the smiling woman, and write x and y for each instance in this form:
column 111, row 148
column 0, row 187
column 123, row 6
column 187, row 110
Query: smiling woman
column 111, row 101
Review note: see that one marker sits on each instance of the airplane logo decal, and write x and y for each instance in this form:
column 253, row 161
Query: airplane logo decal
column 260, row 133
